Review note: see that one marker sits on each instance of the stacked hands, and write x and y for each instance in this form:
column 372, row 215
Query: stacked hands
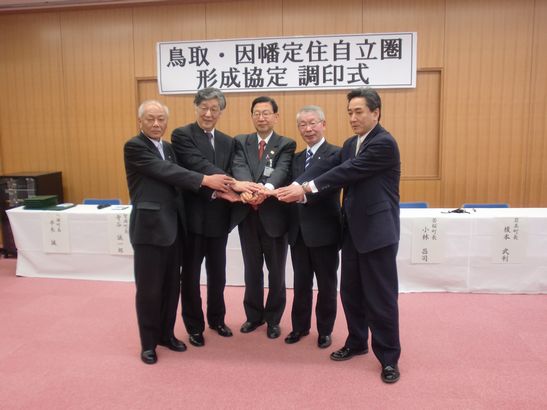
column 251, row 193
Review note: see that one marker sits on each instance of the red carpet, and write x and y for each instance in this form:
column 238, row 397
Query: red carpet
column 74, row 344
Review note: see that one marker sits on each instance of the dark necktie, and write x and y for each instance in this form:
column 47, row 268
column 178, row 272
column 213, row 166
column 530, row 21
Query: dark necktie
column 309, row 156
column 210, row 138
column 261, row 147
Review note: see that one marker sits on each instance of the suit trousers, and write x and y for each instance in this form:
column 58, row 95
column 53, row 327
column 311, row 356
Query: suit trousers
column 369, row 292
column 213, row 250
column 257, row 246
column 157, row 279
column 323, row 261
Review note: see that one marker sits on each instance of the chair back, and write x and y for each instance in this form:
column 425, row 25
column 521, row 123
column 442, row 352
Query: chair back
column 96, row 201
column 500, row 205
column 413, row 205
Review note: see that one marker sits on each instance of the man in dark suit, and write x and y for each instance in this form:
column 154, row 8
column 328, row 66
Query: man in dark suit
column 369, row 170
column 314, row 236
column 156, row 221
column 263, row 157
column 200, row 147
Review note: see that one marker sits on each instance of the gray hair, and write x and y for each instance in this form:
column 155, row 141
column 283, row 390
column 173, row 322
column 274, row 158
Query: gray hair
column 211, row 93
column 142, row 107
column 311, row 108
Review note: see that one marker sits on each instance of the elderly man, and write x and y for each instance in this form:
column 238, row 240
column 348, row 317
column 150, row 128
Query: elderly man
column 314, row 236
column 201, row 147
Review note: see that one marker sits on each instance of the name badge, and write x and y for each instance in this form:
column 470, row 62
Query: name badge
column 268, row 171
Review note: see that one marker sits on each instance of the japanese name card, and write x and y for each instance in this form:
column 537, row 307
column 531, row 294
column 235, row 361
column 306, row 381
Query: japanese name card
column 55, row 232
column 427, row 241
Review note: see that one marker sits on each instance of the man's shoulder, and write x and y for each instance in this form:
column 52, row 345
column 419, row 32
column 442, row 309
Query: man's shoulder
column 244, row 137
column 187, row 129
column 284, row 140
column 137, row 139
column 222, row 135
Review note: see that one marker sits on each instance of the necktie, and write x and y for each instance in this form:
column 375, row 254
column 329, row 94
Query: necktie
column 261, row 146
column 309, row 156
column 358, row 145
column 160, row 149
column 210, row 137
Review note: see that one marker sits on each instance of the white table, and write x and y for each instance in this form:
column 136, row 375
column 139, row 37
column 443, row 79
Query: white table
column 465, row 267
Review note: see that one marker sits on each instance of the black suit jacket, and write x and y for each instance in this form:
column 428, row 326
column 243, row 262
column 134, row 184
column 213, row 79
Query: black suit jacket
column 278, row 155
column 319, row 219
column 154, row 191
column 206, row 216
column 371, row 188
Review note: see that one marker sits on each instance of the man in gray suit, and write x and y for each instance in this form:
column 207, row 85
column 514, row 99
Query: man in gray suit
column 263, row 157
column 156, row 224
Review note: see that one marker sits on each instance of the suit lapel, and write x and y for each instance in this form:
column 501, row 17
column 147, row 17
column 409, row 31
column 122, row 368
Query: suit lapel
column 150, row 145
column 251, row 147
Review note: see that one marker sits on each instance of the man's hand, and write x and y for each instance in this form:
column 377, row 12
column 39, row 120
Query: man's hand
column 218, row 182
column 291, row 193
column 230, row 195
column 246, row 186
column 246, row 197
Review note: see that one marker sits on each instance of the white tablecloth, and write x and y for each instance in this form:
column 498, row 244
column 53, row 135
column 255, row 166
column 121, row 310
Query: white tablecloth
column 466, row 266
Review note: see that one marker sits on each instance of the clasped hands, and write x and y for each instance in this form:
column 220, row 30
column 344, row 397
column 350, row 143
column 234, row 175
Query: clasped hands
column 232, row 190
column 248, row 192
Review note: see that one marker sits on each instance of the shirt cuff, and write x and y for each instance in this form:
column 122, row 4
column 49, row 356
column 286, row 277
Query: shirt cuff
column 313, row 187
column 269, row 186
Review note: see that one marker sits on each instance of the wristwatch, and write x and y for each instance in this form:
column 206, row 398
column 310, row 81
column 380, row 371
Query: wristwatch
column 305, row 186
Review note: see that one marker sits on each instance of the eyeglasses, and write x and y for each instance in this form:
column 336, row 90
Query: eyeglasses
column 311, row 124
column 213, row 110
column 264, row 114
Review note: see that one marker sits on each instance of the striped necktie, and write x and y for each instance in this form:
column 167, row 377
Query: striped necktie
column 309, row 156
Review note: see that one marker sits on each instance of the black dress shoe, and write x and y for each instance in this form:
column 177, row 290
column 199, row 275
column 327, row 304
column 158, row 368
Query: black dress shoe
column 347, row 353
column 173, row 344
column 222, row 330
column 250, row 326
column 274, row 331
column 149, row 356
column 390, row 374
column 196, row 339
column 324, row 341
column 294, row 337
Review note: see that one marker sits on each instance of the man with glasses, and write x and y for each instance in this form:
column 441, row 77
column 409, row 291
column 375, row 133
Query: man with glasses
column 314, row 236
column 200, row 147
column 263, row 157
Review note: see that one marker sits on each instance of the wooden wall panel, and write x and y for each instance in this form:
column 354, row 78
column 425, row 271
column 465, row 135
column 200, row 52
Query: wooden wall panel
column 487, row 81
column 164, row 23
column 427, row 17
column 98, row 71
column 536, row 181
column 32, row 121
column 480, row 104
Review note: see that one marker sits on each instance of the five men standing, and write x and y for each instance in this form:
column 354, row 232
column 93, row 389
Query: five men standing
column 367, row 168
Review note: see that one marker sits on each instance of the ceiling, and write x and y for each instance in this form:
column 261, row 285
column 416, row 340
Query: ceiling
column 22, row 5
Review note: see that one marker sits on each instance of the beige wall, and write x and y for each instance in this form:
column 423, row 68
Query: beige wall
column 474, row 129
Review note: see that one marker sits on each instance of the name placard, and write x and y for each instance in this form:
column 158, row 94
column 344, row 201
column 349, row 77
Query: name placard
column 509, row 240
column 55, row 232
column 427, row 241
column 118, row 234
